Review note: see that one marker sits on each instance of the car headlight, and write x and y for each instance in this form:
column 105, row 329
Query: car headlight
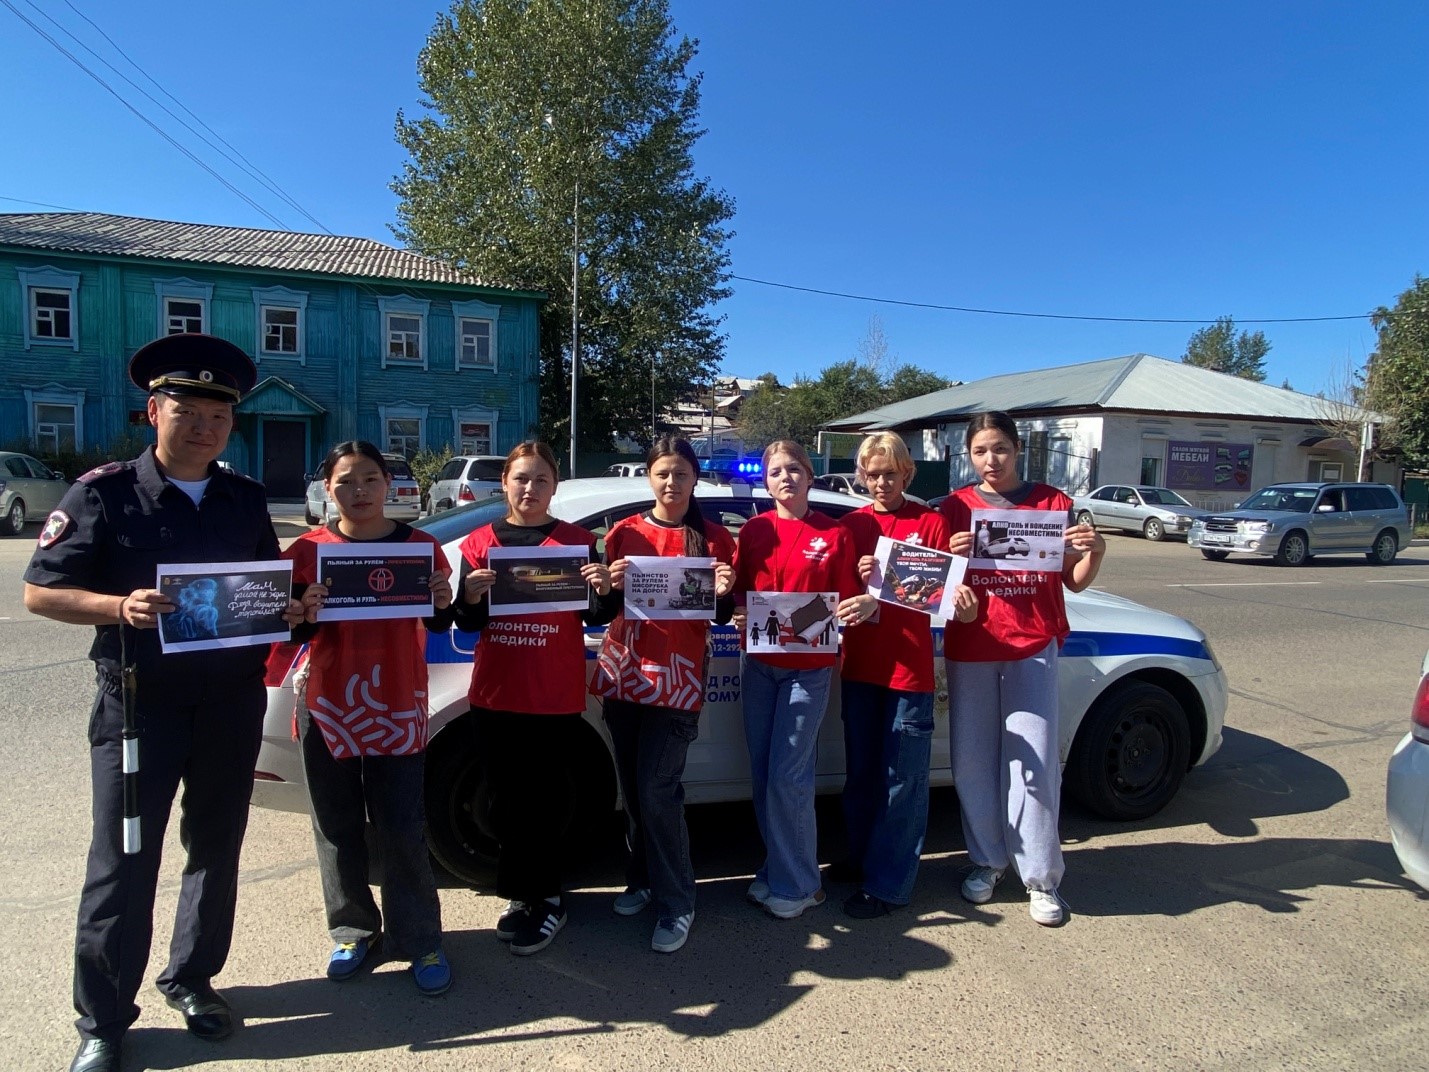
column 1184, row 519
column 1255, row 526
column 1197, row 523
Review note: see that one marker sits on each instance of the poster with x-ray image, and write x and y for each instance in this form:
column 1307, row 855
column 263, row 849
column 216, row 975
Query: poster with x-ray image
column 224, row 604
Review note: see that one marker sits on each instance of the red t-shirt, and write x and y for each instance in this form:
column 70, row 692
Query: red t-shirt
column 896, row 649
column 661, row 663
column 367, row 680
column 530, row 663
column 811, row 554
column 1018, row 613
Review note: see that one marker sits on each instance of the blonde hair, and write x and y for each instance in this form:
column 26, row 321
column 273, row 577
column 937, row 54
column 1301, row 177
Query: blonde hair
column 794, row 450
column 888, row 445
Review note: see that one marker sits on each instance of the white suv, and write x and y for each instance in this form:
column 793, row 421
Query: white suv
column 465, row 478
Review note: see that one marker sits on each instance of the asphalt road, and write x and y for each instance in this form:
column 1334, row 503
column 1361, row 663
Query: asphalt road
column 1260, row 921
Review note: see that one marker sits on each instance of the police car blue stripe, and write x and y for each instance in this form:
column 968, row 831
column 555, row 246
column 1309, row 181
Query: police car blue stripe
column 455, row 647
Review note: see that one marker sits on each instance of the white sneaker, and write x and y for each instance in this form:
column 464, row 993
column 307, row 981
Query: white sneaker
column 1046, row 907
column 670, row 934
column 758, row 892
column 793, row 907
column 632, row 902
column 978, row 886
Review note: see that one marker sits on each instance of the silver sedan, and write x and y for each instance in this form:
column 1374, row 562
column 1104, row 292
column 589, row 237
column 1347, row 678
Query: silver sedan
column 1153, row 512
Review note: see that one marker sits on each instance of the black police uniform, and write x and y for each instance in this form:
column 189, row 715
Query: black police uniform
column 200, row 718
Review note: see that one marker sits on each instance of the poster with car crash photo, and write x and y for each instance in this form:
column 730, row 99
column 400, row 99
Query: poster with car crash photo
column 1018, row 541
column 794, row 623
column 224, row 604
column 917, row 577
column 659, row 588
column 538, row 580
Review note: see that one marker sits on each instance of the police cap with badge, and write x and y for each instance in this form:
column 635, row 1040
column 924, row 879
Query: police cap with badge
column 192, row 365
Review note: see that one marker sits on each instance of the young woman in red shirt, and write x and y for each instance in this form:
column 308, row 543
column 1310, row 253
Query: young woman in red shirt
column 363, row 726
column 792, row 548
column 527, row 696
column 887, row 693
column 651, row 676
column 1002, row 681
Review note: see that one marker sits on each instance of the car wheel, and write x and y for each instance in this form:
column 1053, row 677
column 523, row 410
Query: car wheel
column 308, row 514
column 1085, row 518
column 1214, row 556
column 460, row 832
column 1294, row 551
column 1130, row 753
column 1386, row 546
column 1153, row 530
column 15, row 518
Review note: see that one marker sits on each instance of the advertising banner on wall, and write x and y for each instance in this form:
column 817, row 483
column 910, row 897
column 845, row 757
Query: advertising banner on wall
column 1209, row 466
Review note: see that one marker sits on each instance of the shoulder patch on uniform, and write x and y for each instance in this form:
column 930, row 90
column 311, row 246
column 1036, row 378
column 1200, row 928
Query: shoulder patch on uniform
column 56, row 525
column 107, row 469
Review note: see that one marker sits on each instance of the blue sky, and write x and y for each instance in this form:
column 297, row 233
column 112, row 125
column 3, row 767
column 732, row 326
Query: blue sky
column 1128, row 159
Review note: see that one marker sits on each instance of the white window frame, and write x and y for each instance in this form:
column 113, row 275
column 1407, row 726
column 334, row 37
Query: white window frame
column 181, row 289
column 473, row 415
column 33, row 280
column 403, row 411
column 55, row 394
column 280, row 298
column 403, row 305
column 475, row 310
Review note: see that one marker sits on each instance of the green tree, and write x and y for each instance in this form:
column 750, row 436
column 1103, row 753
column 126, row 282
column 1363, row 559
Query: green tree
column 764, row 414
column 1220, row 349
column 909, row 381
column 1396, row 376
column 554, row 125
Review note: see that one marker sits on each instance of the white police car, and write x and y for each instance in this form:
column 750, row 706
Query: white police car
column 1143, row 698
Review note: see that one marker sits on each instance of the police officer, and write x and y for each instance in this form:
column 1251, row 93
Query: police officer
column 199, row 714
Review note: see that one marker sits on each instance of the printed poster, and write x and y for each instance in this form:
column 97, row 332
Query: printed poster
column 1018, row 541
column 795, row 623
column 917, row 577
column 375, row 580
column 1210, row 466
column 224, row 604
column 538, row 580
column 678, row 587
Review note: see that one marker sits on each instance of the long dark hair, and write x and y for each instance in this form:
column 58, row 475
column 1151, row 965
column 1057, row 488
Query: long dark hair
column 696, row 545
column 347, row 449
column 995, row 420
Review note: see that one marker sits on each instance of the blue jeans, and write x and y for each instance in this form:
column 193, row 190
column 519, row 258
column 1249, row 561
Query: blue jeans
column 344, row 792
column 650, row 748
column 888, row 739
column 783, row 710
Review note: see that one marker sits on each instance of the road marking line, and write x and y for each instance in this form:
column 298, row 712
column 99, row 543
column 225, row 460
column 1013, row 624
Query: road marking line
column 1400, row 580
column 1240, row 584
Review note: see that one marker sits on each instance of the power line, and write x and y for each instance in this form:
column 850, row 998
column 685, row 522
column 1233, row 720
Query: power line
column 138, row 114
column 1042, row 316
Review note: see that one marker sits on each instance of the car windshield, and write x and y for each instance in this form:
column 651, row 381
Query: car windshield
column 453, row 524
column 1162, row 497
column 1290, row 500
column 398, row 468
column 485, row 469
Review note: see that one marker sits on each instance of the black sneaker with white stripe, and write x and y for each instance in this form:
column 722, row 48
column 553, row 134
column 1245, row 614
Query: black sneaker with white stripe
column 534, row 933
column 515, row 914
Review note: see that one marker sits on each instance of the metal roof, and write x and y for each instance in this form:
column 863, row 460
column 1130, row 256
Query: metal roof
column 240, row 247
column 1139, row 383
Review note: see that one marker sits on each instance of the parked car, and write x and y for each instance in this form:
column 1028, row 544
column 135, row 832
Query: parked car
column 844, row 483
column 403, row 499
column 1293, row 523
column 1407, row 788
column 626, row 469
column 1142, row 695
column 29, row 490
column 465, row 478
column 1153, row 512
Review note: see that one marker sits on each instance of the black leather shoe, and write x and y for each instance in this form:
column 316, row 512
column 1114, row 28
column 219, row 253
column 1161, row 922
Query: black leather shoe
column 864, row 905
column 206, row 1014
column 96, row 1055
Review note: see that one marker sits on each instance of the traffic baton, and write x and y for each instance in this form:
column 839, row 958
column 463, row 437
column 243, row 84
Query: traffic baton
column 129, row 684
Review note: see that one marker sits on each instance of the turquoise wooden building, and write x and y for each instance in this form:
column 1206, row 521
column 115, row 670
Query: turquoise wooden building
column 352, row 338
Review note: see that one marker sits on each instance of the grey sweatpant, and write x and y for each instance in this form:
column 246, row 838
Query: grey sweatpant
column 1007, row 764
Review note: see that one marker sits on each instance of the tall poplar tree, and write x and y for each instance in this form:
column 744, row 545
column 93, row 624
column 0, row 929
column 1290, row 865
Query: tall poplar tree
column 554, row 126
column 1396, row 376
column 1220, row 349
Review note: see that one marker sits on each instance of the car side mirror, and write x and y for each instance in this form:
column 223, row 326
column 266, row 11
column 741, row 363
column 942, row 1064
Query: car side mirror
column 58, row 476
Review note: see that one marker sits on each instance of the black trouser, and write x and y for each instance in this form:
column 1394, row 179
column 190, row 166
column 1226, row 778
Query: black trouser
column 530, row 766
column 205, row 735
column 344, row 794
